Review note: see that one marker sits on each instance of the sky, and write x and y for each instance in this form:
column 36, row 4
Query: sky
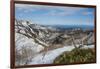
column 54, row 15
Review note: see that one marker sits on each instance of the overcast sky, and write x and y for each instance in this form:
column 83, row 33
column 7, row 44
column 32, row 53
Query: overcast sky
column 55, row 15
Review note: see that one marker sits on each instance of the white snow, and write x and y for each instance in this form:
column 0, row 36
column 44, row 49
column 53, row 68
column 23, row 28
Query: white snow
column 42, row 42
column 22, row 40
column 51, row 55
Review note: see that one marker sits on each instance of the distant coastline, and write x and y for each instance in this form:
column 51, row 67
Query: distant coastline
column 64, row 27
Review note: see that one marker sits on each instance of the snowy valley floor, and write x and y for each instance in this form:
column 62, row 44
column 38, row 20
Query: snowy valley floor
column 52, row 54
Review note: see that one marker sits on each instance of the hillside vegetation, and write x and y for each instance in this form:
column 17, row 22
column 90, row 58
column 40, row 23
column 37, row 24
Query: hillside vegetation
column 76, row 56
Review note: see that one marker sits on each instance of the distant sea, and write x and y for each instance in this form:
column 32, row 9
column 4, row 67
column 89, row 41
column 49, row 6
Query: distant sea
column 64, row 27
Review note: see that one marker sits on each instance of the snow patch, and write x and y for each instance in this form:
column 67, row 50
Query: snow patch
column 51, row 55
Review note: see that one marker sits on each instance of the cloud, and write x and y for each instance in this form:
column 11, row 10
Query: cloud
column 50, row 10
column 64, row 11
column 24, row 8
column 32, row 7
column 87, row 13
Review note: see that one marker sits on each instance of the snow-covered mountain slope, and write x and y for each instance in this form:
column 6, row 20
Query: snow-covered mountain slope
column 31, row 30
column 21, row 40
column 32, row 40
column 29, row 36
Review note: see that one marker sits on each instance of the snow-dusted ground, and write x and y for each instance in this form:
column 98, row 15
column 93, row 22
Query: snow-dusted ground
column 51, row 55
column 29, row 46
